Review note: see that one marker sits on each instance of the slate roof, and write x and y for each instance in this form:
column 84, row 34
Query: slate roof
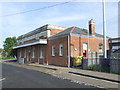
column 75, row 30
column 38, row 30
column 68, row 30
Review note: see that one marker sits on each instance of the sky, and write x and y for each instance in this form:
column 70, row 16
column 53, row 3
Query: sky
column 66, row 15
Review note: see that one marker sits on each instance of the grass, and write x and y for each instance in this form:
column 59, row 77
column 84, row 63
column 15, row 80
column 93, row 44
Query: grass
column 7, row 58
column 96, row 68
column 116, row 73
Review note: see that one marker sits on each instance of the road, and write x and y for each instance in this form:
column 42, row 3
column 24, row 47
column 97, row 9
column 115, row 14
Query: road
column 17, row 77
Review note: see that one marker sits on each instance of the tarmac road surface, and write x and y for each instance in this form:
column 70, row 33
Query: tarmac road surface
column 18, row 77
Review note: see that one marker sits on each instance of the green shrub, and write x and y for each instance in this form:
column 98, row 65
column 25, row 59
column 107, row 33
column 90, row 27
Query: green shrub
column 94, row 67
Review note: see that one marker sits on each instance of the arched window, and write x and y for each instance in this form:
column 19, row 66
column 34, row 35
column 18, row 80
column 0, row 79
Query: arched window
column 53, row 50
column 61, row 50
column 33, row 52
column 100, row 47
column 41, row 51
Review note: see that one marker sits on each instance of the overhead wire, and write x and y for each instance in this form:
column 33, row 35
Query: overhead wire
column 23, row 12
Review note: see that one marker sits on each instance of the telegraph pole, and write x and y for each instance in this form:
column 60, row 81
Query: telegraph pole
column 104, row 29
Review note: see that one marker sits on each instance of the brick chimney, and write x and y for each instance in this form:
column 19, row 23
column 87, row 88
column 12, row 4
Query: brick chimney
column 92, row 27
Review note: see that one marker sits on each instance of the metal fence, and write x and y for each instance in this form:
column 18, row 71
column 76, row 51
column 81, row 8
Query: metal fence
column 115, row 63
column 94, row 58
column 97, row 62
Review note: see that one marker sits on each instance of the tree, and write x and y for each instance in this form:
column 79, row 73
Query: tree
column 9, row 43
column 1, row 50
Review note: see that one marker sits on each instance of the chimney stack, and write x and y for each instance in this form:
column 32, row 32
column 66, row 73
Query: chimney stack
column 92, row 27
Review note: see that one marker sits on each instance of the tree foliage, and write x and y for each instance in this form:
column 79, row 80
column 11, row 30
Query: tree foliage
column 1, row 50
column 9, row 43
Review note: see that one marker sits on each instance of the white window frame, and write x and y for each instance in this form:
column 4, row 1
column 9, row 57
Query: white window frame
column 41, row 52
column 61, row 50
column 33, row 52
column 25, row 53
column 100, row 47
column 53, row 50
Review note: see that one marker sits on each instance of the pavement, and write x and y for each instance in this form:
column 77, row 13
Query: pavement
column 98, row 79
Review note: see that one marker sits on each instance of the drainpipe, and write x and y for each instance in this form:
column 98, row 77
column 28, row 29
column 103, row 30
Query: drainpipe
column 69, row 50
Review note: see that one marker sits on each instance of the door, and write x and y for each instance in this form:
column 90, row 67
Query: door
column 85, row 49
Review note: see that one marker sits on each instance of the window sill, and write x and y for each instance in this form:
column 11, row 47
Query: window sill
column 41, row 57
column 60, row 55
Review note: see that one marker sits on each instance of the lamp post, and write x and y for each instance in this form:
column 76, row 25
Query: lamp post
column 104, row 29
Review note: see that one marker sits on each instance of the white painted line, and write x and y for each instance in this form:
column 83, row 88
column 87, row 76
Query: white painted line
column 2, row 79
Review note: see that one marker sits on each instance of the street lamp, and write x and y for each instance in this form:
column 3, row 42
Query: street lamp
column 104, row 29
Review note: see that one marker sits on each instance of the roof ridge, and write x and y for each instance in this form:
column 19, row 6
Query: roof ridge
column 72, row 29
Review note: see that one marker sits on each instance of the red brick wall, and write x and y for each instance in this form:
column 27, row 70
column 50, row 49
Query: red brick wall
column 57, row 60
column 76, row 45
column 76, row 49
column 53, row 31
column 94, row 43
